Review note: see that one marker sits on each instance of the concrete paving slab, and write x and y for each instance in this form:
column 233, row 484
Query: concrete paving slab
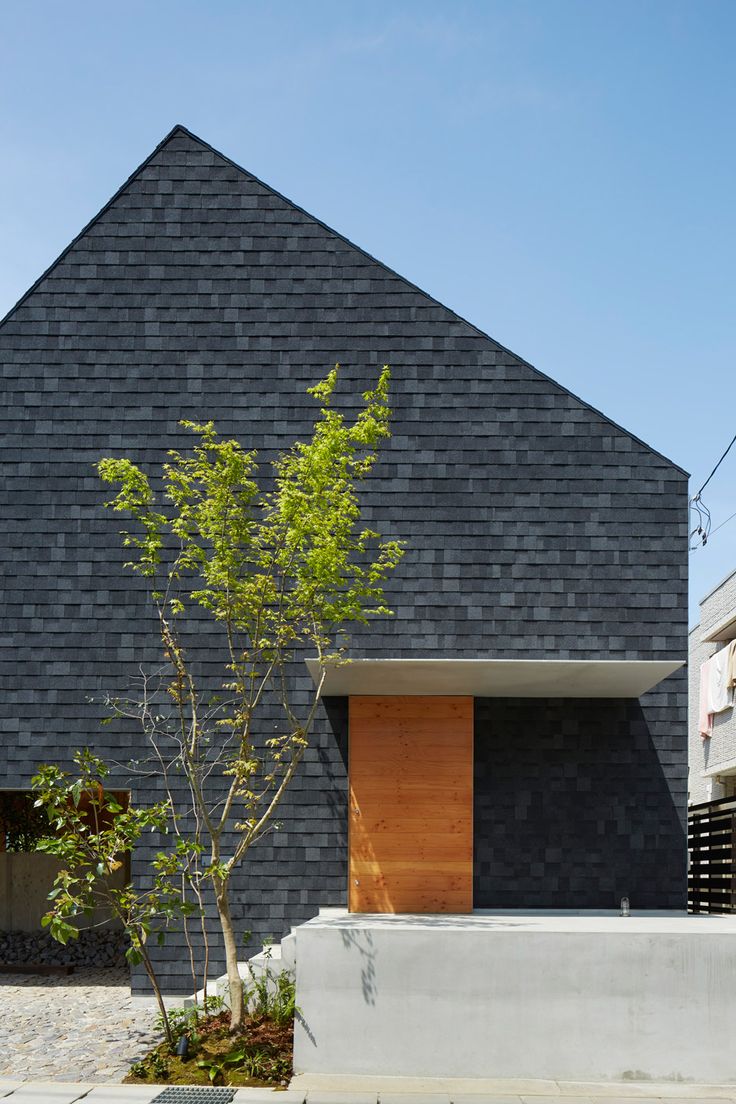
column 497, row 1087
column 40, row 1092
column 474, row 1098
column 597, row 1089
column 268, row 1096
column 680, row 1091
column 651, row 1090
column 636, row 1090
column 341, row 1083
column 517, row 1091
column 124, row 1094
column 318, row 1096
column 623, row 1090
column 533, row 1099
column 415, row 1098
column 273, row 1096
column 605, row 1099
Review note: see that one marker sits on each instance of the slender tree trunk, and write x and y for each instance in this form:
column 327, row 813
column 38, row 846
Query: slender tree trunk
column 148, row 967
column 190, row 946
column 206, row 945
column 234, row 980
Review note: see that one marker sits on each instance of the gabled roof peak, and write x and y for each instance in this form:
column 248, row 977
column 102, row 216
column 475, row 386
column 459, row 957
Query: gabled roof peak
column 179, row 130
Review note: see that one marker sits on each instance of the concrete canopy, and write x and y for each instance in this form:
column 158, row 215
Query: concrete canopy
column 496, row 678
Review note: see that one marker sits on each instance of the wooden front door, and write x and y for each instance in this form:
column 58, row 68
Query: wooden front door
column 411, row 804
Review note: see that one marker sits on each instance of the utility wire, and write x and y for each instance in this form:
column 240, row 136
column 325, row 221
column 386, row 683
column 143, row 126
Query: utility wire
column 702, row 529
column 732, row 516
column 725, row 454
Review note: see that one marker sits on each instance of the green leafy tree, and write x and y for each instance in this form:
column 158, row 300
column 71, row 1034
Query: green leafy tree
column 282, row 565
column 92, row 834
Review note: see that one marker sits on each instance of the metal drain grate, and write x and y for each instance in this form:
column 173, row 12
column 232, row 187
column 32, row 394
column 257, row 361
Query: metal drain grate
column 194, row 1094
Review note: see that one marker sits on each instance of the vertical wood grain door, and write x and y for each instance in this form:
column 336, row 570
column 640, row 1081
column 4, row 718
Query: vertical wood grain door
column 411, row 804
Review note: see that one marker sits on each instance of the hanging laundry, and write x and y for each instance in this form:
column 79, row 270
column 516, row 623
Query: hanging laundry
column 731, row 665
column 721, row 695
column 717, row 681
column 705, row 714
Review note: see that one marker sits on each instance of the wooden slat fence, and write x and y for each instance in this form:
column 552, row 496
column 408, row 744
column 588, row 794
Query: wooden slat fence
column 711, row 882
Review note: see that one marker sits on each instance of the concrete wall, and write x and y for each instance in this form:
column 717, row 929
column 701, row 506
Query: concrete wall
column 574, row 998
column 706, row 755
column 25, row 881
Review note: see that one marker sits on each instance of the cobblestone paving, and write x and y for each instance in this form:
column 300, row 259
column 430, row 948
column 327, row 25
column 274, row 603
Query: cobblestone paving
column 77, row 1028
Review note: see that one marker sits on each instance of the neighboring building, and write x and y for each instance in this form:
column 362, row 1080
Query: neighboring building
column 543, row 594
column 713, row 759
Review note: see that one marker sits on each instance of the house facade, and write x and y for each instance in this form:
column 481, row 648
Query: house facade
column 712, row 754
column 531, row 681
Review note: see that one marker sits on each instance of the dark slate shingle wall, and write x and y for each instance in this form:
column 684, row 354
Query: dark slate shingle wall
column 573, row 805
column 535, row 527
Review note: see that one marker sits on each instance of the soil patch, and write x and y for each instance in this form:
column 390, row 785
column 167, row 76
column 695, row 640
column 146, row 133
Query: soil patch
column 261, row 1055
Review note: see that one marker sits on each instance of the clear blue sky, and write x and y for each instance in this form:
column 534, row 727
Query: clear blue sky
column 560, row 172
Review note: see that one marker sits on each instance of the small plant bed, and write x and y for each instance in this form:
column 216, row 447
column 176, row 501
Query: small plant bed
column 260, row 1055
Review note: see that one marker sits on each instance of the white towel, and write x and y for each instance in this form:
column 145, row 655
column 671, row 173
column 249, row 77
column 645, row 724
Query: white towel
column 731, row 663
column 720, row 695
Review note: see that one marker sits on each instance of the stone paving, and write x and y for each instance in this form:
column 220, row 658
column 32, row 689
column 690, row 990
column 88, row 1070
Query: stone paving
column 82, row 1027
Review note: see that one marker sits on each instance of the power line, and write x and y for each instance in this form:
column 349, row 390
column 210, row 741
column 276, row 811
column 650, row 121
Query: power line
column 732, row 516
column 729, row 518
column 697, row 495
column 702, row 529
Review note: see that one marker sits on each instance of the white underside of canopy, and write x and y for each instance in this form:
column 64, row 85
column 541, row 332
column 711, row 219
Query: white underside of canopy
column 496, row 678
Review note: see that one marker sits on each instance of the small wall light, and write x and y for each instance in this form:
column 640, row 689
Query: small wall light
column 625, row 906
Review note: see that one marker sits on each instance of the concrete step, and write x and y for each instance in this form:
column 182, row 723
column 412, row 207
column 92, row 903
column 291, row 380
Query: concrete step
column 272, row 960
column 288, row 951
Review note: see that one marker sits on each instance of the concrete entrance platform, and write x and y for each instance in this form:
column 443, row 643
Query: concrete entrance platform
column 573, row 997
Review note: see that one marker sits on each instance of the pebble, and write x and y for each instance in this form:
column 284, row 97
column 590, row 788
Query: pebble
column 80, row 1027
